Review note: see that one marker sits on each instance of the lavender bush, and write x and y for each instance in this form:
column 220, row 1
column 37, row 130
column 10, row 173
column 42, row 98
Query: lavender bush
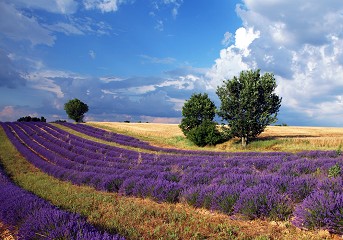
column 321, row 209
column 225, row 197
column 263, row 201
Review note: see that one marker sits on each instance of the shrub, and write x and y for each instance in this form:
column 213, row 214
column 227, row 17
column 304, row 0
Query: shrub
column 205, row 134
column 197, row 123
column 191, row 195
column 225, row 197
column 113, row 183
column 263, row 201
column 331, row 184
column 128, row 186
column 321, row 210
column 299, row 188
column 206, row 196
column 281, row 183
column 166, row 191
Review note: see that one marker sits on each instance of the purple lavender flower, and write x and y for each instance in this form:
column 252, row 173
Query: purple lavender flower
column 225, row 197
column 321, row 210
column 263, row 201
column 35, row 218
column 299, row 188
column 331, row 184
column 50, row 223
column 166, row 191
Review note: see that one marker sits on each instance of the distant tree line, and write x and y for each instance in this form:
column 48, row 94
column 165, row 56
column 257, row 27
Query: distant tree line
column 248, row 105
column 31, row 119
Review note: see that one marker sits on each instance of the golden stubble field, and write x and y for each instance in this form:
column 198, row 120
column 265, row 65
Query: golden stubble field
column 274, row 138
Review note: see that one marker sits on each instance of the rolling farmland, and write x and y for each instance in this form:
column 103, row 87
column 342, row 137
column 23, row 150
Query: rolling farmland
column 301, row 189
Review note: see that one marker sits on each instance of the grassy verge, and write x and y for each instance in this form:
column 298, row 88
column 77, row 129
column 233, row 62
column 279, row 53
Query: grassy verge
column 139, row 218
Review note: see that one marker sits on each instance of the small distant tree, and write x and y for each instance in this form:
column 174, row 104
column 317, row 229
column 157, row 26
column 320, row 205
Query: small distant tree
column 76, row 109
column 197, row 123
column 248, row 104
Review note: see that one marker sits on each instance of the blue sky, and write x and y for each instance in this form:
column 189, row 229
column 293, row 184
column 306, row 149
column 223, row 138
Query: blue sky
column 139, row 60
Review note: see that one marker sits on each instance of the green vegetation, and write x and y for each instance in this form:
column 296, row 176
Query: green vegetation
column 205, row 134
column 248, row 104
column 197, row 123
column 31, row 119
column 335, row 171
column 76, row 109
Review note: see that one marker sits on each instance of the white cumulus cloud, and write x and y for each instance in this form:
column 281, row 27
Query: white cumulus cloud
column 232, row 59
column 301, row 43
column 103, row 5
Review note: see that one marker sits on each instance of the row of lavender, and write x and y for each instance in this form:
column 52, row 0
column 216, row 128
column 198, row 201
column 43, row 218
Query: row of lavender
column 274, row 185
column 130, row 141
column 34, row 218
column 108, row 136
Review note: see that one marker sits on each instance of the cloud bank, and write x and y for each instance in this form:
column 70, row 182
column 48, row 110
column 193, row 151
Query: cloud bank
column 301, row 43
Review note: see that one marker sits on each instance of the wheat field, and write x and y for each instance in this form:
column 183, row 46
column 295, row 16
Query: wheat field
column 274, row 138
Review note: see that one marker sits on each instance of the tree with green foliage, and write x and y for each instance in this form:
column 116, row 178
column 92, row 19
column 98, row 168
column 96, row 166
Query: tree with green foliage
column 76, row 109
column 197, row 123
column 248, row 104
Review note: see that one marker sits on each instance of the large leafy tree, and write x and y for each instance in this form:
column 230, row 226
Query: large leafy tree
column 197, row 123
column 248, row 104
column 76, row 109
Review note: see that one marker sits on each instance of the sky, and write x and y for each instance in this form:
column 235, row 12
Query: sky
column 140, row 60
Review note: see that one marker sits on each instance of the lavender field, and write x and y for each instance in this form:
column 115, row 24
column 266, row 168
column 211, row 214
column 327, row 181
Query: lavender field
column 304, row 188
column 35, row 218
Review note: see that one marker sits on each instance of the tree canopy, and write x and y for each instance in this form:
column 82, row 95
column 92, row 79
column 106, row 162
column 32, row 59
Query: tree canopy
column 196, row 110
column 248, row 104
column 76, row 109
column 197, row 123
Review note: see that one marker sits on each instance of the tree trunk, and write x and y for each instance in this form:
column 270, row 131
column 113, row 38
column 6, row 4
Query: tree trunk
column 244, row 141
